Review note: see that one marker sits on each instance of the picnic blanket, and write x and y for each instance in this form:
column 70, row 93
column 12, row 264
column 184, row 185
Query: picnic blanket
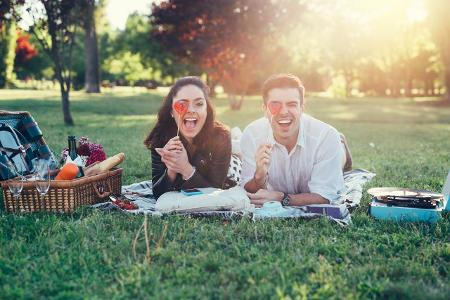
column 141, row 194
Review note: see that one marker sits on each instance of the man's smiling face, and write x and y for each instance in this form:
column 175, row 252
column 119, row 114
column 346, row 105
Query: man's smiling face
column 285, row 124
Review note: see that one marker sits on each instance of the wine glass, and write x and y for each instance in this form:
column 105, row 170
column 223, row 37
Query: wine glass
column 42, row 179
column 41, row 167
column 15, row 185
column 43, row 185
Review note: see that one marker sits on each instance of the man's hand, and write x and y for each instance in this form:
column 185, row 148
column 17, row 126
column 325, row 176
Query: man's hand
column 262, row 196
column 262, row 159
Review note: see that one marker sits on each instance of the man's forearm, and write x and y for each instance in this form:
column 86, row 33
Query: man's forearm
column 254, row 185
column 302, row 199
column 307, row 199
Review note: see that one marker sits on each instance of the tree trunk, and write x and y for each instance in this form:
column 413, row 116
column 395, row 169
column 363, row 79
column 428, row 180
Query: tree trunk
column 409, row 85
column 68, row 120
column 66, row 108
column 8, row 37
column 212, row 86
column 92, row 74
column 348, row 75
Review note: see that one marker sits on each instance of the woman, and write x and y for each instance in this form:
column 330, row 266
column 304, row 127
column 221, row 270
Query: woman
column 200, row 155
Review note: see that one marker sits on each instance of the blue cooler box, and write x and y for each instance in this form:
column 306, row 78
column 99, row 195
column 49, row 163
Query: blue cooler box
column 382, row 211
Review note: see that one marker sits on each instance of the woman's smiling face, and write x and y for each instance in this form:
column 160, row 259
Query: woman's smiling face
column 191, row 122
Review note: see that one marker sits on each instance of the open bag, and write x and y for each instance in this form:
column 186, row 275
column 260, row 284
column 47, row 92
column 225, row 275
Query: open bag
column 21, row 143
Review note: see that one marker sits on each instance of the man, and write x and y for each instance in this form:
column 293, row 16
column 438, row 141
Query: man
column 291, row 157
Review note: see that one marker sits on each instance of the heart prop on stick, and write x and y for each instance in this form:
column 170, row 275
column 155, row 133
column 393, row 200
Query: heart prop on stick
column 181, row 108
column 274, row 108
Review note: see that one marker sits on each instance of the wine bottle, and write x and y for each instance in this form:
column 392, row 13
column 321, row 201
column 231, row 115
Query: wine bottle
column 72, row 147
column 73, row 152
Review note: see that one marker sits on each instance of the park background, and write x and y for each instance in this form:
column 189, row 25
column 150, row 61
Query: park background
column 379, row 71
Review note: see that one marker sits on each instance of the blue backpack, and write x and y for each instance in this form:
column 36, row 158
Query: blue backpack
column 21, row 143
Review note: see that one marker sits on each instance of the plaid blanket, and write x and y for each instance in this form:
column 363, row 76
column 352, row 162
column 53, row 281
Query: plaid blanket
column 141, row 194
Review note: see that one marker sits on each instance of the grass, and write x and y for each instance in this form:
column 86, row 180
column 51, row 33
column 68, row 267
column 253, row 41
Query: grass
column 89, row 254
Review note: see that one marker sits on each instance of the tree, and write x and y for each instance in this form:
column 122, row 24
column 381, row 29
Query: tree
column 135, row 38
column 128, row 66
column 232, row 41
column 92, row 65
column 54, row 25
column 8, row 37
column 7, row 46
column 439, row 16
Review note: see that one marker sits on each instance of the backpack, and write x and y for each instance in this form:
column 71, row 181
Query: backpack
column 13, row 153
column 21, row 144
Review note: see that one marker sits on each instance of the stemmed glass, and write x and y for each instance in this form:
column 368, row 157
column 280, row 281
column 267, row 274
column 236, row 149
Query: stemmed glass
column 15, row 185
column 42, row 172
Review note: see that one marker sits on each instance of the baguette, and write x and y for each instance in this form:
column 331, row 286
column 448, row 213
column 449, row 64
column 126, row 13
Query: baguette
column 105, row 165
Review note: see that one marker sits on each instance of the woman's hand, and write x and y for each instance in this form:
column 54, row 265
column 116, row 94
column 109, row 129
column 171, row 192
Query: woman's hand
column 175, row 157
column 174, row 144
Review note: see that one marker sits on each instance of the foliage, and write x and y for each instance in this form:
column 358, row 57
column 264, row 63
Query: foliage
column 128, row 66
column 347, row 47
column 226, row 39
column 439, row 16
column 89, row 254
column 54, row 25
column 136, row 40
column 25, row 51
column 370, row 47
column 7, row 10
column 7, row 40
column 38, row 67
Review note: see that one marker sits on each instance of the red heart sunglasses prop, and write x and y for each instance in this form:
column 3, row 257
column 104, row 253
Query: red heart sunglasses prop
column 181, row 108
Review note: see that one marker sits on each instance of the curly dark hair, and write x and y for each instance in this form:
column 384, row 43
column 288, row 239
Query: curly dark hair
column 166, row 128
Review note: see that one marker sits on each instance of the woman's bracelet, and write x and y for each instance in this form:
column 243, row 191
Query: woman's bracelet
column 192, row 174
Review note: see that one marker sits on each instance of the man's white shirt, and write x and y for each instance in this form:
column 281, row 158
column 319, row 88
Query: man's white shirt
column 313, row 166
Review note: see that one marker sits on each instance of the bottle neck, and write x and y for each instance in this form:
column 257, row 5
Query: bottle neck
column 72, row 148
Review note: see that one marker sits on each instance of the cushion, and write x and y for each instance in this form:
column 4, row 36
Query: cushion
column 212, row 199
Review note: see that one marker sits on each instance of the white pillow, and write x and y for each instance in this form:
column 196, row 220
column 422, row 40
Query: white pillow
column 212, row 199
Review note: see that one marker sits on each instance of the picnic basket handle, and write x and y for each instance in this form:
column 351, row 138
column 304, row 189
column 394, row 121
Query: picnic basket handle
column 104, row 194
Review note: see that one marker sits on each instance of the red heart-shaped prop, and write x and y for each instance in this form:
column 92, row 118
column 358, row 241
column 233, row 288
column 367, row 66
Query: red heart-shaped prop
column 180, row 107
column 274, row 108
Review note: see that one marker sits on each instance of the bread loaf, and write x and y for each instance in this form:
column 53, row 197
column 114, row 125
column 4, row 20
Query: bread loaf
column 105, row 165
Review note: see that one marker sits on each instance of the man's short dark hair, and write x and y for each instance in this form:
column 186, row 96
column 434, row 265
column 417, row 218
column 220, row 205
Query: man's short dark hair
column 283, row 81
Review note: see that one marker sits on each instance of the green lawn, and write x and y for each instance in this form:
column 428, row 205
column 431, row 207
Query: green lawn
column 89, row 254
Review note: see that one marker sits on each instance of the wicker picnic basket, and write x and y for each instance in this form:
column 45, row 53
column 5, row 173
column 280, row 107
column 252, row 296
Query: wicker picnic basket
column 64, row 196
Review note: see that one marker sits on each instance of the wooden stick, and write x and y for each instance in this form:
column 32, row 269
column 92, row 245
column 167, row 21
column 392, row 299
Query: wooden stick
column 178, row 125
